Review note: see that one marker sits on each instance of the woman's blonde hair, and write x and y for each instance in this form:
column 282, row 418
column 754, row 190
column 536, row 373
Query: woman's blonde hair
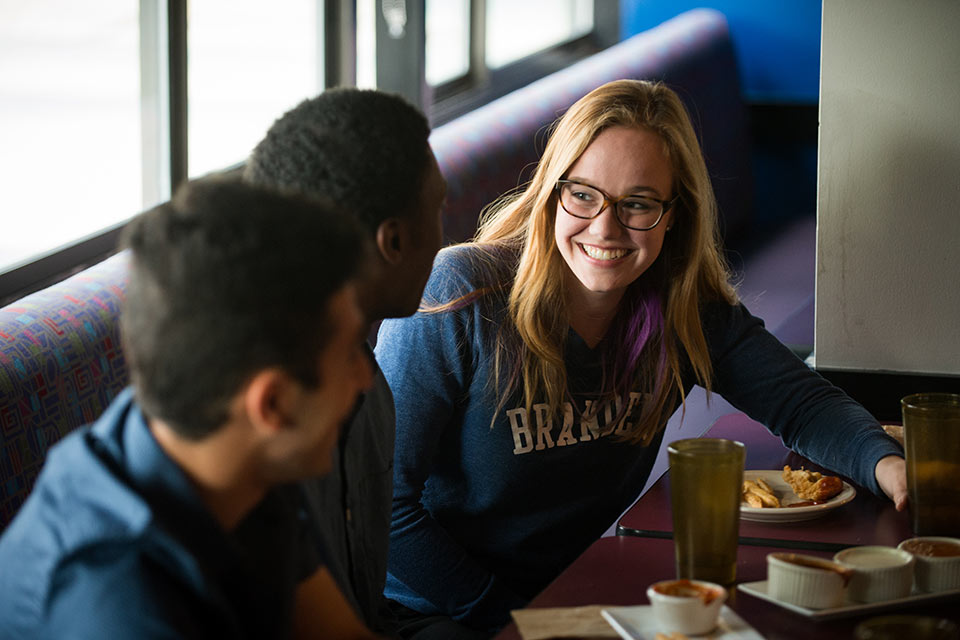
column 660, row 312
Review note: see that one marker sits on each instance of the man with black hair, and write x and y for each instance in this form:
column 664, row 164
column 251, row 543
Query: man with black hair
column 245, row 342
column 368, row 151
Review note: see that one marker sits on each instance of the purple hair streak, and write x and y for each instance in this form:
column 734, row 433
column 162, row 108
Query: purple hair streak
column 640, row 329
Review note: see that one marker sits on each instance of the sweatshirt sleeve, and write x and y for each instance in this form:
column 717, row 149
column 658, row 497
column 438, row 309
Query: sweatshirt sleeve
column 763, row 378
column 429, row 359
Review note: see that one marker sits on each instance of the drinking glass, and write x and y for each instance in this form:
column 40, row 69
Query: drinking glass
column 931, row 434
column 706, row 477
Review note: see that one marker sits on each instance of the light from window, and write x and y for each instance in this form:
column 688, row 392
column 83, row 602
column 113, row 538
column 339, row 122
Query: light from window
column 517, row 29
column 367, row 44
column 69, row 123
column 249, row 62
column 447, row 40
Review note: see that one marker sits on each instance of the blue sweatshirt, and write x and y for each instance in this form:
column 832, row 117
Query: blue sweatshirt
column 484, row 517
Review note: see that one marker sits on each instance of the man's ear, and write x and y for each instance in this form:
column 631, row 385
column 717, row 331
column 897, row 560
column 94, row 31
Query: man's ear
column 390, row 240
column 268, row 400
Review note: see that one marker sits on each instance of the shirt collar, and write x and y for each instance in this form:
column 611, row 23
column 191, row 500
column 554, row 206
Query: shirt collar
column 152, row 470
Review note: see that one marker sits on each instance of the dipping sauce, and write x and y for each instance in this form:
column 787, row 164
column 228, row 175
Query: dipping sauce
column 815, row 563
column 872, row 559
column 880, row 572
column 931, row 548
column 687, row 589
column 806, row 503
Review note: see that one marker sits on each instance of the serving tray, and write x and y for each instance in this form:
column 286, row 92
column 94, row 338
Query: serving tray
column 639, row 623
column 759, row 589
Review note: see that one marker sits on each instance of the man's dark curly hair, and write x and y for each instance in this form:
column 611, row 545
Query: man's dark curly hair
column 363, row 149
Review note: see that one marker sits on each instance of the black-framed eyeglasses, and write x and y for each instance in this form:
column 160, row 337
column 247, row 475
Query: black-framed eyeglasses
column 640, row 213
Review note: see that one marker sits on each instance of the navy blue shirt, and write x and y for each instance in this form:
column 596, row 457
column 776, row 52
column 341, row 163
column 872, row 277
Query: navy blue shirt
column 114, row 542
column 490, row 505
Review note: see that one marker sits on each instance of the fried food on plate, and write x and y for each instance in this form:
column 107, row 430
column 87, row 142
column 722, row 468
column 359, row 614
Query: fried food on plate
column 812, row 485
column 763, row 485
column 752, row 499
column 757, row 493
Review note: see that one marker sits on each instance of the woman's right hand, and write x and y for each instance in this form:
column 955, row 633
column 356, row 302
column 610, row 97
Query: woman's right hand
column 891, row 472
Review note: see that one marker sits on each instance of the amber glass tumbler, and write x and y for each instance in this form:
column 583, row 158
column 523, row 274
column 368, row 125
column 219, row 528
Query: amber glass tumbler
column 706, row 476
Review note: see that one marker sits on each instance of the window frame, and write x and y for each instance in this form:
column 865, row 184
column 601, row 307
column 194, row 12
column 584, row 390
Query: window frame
column 163, row 126
column 400, row 61
column 163, row 100
column 163, row 62
column 482, row 84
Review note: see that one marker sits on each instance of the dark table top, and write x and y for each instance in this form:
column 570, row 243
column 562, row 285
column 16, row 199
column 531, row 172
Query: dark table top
column 617, row 571
column 867, row 519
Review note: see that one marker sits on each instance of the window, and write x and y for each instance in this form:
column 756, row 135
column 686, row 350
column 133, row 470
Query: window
column 69, row 122
column 105, row 105
column 511, row 30
column 249, row 62
column 87, row 93
column 478, row 50
column 366, row 62
column 510, row 35
column 447, row 40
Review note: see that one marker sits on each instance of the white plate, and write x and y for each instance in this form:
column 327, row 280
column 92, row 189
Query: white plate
column 759, row 589
column 787, row 497
column 639, row 623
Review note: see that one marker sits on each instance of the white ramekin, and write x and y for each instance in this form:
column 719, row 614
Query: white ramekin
column 687, row 614
column 879, row 573
column 934, row 573
column 806, row 581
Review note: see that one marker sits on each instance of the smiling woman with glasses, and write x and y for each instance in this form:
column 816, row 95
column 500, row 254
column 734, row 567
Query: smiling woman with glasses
column 533, row 390
column 634, row 211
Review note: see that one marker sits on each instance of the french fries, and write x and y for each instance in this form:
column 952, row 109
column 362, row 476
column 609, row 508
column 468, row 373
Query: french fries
column 766, row 487
column 753, row 500
column 806, row 485
column 757, row 493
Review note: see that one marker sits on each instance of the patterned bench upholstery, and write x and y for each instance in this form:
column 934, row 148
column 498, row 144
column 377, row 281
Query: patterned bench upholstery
column 60, row 357
column 493, row 149
column 60, row 366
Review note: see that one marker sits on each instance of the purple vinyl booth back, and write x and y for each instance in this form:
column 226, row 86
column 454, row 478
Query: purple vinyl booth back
column 60, row 358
